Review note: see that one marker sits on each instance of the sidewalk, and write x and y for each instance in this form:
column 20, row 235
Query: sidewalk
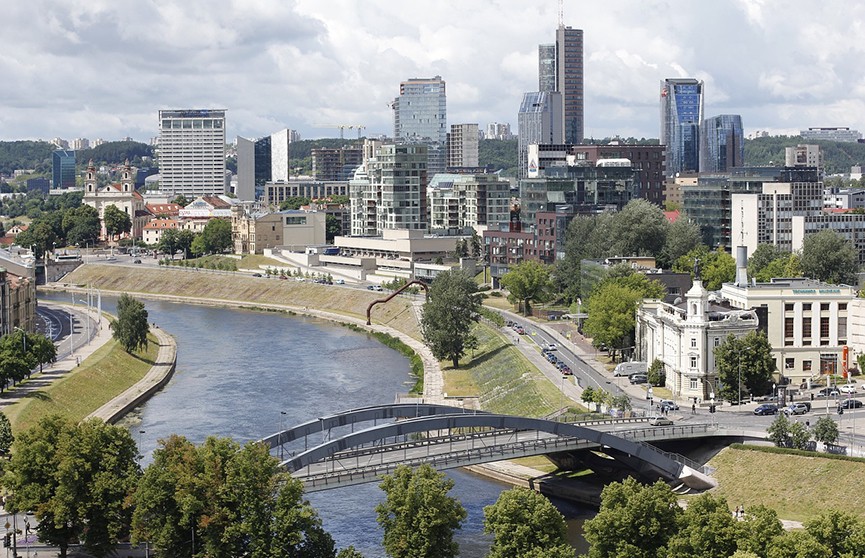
column 51, row 372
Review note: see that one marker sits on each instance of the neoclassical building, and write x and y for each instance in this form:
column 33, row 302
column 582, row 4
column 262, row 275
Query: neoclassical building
column 684, row 334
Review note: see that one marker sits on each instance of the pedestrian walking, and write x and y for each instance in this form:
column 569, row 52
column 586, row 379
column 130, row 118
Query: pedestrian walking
column 693, row 408
column 736, row 513
column 742, row 511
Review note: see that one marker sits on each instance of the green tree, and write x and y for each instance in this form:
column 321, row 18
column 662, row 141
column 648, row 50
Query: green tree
column 634, row 520
column 6, row 437
column 449, row 315
column 332, row 228
column 656, row 374
column 748, row 358
column 779, row 431
column 294, row 202
column 131, row 327
column 15, row 364
column 841, row 532
column 523, row 521
column 639, row 229
column 77, row 478
column 716, row 267
column 708, row 529
column 828, row 256
column 788, row 265
column 761, row 258
column 349, row 552
column 417, row 515
column 528, row 282
column 588, row 395
column 181, row 200
column 116, row 221
column 185, row 237
column 81, row 225
column 167, row 242
column 215, row 238
column 41, row 349
column 756, row 532
column 799, row 435
column 40, row 236
column 797, row 544
column 825, row 430
column 682, row 236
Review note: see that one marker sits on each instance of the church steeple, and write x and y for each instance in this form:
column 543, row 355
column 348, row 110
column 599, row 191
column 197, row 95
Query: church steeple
column 697, row 298
column 127, row 182
column 90, row 178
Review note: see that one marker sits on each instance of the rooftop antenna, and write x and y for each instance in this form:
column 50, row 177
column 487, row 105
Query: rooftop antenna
column 561, row 13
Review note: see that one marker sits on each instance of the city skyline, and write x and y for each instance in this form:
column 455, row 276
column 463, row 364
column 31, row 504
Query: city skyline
column 104, row 69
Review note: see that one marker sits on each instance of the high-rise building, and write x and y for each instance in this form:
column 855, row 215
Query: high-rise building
column 260, row 161
column 63, row 169
column 681, row 115
column 335, row 164
column 831, row 134
column 80, row 143
column 722, row 143
column 389, row 192
column 496, row 130
column 569, row 81
column 803, row 156
column 420, row 116
column 192, row 152
column 463, row 146
column 540, row 122
column 546, row 67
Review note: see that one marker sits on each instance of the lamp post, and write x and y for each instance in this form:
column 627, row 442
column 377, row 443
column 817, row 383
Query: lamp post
column 650, row 397
column 279, row 436
column 739, row 385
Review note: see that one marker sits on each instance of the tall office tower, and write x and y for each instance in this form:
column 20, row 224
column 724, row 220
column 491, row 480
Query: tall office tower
column 260, row 161
column 390, row 193
column 722, row 143
column 80, row 143
column 681, row 114
column 546, row 67
column 463, row 146
column 192, row 152
column 336, row 164
column 420, row 116
column 540, row 122
column 63, row 169
column 569, row 81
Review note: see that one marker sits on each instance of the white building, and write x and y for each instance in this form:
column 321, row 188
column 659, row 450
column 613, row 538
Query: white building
column 123, row 196
column 192, row 152
column 684, row 336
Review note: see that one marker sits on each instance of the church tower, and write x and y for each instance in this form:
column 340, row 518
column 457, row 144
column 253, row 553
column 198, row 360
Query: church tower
column 90, row 179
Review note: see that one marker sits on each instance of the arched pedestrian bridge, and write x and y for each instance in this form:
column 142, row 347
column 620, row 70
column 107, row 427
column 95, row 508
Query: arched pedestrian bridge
column 362, row 445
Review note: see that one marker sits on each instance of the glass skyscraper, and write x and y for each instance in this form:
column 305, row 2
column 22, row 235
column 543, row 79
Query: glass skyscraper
column 569, row 81
column 546, row 67
column 681, row 115
column 540, row 122
column 420, row 116
column 722, row 143
column 63, row 169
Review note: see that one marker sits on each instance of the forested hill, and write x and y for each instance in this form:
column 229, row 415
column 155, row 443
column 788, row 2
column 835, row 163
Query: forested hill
column 25, row 155
column 838, row 156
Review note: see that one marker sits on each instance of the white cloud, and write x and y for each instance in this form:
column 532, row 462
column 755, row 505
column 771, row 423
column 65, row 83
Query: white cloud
column 103, row 68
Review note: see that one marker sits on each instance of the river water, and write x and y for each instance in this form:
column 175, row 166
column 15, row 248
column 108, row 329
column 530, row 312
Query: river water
column 245, row 374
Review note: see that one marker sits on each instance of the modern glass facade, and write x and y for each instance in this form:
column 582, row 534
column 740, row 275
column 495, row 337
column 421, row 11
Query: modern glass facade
column 420, row 116
column 63, row 169
column 546, row 67
column 681, row 115
column 569, row 81
column 539, row 123
column 722, row 143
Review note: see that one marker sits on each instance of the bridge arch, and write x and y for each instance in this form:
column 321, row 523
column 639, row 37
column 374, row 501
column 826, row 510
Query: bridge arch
column 660, row 462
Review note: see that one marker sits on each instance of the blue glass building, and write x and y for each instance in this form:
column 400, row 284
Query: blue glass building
column 722, row 143
column 681, row 115
column 63, row 169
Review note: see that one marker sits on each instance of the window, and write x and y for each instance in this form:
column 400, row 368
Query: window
column 717, row 341
column 806, row 307
column 693, row 343
column 824, row 306
column 788, row 327
column 824, row 327
column 693, row 362
column 806, row 366
column 693, row 383
column 788, row 307
column 789, row 363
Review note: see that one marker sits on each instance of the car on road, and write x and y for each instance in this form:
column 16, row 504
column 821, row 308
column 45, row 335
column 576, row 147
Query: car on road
column 374, row 288
column 566, row 370
column 669, row 405
column 638, row 378
column 136, row 261
column 850, row 404
column 828, row 392
column 766, row 409
column 256, row 274
column 660, row 421
column 796, row 409
column 551, row 347
column 847, row 388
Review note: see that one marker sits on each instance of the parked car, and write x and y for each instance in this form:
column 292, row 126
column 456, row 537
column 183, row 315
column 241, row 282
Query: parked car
column 551, row 347
column 796, row 409
column 660, row 421
column 256, row 274
column 339, row 281
column 850, row 404
column 566, row 370
column 638, row 378
column 766, row 409
column 136, row 261
column 828, row 392
column 669, row 405
column 847, row 388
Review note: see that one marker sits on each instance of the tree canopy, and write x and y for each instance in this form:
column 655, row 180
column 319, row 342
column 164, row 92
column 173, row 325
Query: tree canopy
column 418, row 516
column 527, row 282
column 716, row 267
column 215, row 238
column 131, row 327
column 116, row 221
column 827, row 256
column 524, row 523
column 749, row 358
column 449, row 315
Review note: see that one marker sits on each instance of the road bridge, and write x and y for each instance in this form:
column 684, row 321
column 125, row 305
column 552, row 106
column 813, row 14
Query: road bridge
column 447, row 437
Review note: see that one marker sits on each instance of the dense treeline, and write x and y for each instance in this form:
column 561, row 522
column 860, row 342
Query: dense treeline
column 114, row 153
column 838, row 156
column 33, row 204
column 16, row 155
column 501, row 154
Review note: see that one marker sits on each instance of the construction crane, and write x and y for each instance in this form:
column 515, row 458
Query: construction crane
column 343, row 127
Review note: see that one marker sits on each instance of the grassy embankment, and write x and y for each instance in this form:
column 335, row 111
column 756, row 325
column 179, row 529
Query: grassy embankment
column 797, row 487
column 107, row 372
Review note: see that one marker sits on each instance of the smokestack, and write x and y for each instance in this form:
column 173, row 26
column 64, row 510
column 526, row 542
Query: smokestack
column 741, row 266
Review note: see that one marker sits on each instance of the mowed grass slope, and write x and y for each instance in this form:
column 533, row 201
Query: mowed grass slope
column 397, row 313
column 797, row 487
column 501, row 377
column 104, row 374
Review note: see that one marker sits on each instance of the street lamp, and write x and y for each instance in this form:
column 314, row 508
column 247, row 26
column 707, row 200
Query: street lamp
column 279, row 436
column 650, row 395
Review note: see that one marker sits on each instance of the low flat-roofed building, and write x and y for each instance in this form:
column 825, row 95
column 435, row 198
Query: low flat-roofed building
column 253, row 231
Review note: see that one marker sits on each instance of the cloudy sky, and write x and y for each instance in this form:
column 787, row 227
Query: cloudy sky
column 103, row 68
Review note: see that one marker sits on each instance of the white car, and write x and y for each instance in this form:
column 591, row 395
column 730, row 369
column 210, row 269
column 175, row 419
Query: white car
column 551, row 347
column 847, row 388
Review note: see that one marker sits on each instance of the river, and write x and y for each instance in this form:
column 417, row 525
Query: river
column 244, row 374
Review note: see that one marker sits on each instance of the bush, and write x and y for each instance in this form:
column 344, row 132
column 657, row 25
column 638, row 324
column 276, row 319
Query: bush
column 657, row 375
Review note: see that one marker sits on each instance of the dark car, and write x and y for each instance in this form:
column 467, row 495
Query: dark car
column 828, row 392
column 256, row 274
column 638, row 378
column 136, row 260
column 766, row 409
column 850, row 404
